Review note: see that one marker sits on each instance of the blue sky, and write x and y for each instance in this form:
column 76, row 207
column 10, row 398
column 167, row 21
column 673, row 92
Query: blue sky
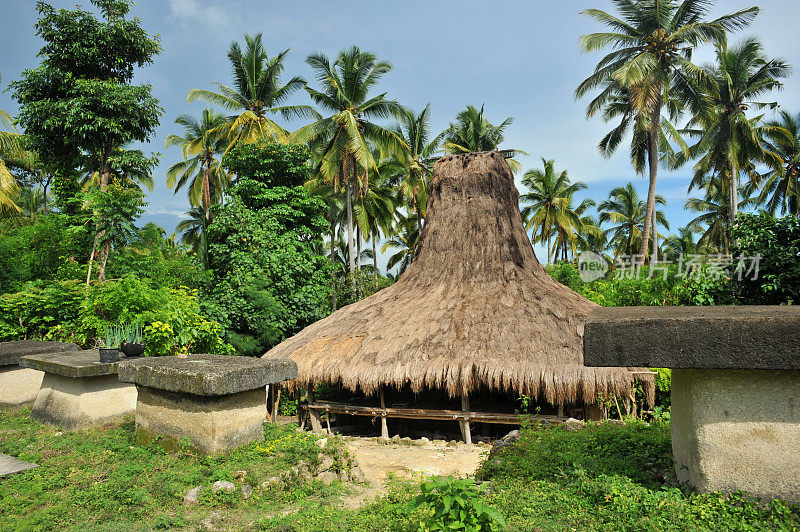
column 519, row 58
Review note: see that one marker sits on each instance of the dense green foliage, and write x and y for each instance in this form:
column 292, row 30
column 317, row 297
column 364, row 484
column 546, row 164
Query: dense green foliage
column 268, row 281
column 777, row 242
column 616, row 290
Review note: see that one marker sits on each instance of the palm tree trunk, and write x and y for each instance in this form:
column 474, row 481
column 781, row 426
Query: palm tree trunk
column 734, row 193
column 654, row 254
column 207, row 189
column 652, row 163
column 548, row 248
column 358, row 248
column 350, row 250
column 375, row 260
column 333, row 257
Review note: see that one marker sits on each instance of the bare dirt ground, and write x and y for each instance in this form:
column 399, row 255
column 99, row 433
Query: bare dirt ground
column 378, row 460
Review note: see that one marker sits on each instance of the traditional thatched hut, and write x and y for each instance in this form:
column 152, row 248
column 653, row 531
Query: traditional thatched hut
column 475, row 310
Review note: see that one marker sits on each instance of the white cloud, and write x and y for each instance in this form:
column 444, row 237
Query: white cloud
column 200, row 11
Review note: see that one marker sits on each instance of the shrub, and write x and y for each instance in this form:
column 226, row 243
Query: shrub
column 777, row 242
column 456, row 505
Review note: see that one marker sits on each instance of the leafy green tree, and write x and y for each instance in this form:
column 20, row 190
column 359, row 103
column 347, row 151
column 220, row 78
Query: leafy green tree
column 129, row 169
column 268, row 278
column 627, row 212
column 652, row 42
column 683, row 243
column 114, row 211
column 542, row 211
column 571, row 224
column 374, row 213
column 347, row 133
column 256, row 93
column 782, row 137
column 202, row 143
column 777, row 242
column 729, row 140
column 80, row 100
column 713, row 220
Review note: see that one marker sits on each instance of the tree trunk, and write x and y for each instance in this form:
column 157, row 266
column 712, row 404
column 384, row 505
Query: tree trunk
column 350, row 251
column 734, row 193
column 375, row 262
column 207, row 189
column 654, row 254
column 333, row 258
column 91, row 262
column 652, row 163
column 548, row 249
column 358, row 247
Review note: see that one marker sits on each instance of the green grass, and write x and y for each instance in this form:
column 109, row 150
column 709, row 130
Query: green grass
column 605, row 477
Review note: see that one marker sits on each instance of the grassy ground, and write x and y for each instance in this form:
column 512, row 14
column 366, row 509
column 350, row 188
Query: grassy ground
column 605, row 477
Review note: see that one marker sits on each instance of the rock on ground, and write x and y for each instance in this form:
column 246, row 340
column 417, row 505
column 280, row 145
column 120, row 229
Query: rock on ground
column 193, row 495
column 223, row 485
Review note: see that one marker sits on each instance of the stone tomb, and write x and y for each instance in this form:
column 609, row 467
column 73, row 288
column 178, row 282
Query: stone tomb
column 78, row 390
column 214, row 403
column 19, row 385
column 735, row 388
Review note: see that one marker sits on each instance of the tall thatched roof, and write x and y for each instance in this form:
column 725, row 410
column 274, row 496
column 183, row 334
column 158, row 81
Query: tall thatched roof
column 474, row 309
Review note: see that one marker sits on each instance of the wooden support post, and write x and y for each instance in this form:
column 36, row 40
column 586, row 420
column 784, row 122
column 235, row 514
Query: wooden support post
column 316, row 422
column 561, row 411
column 276, row 400
column 464, row 424
column 384, row 425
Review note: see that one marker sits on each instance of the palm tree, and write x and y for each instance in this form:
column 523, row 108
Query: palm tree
column 548, row 190
column 714, row 220
column 257, row 91
column 193, row 231
column 415, row 130
column 472, row 132
column 404, row 241
column 627, row 212
column 729, row 141
column 652, row 43
column 348, row 131
column 783, row 181
column 683, row 243
column 571, row 225
column 10, row 147
column 203, row 140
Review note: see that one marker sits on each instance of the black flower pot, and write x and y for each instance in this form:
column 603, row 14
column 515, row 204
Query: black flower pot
column 132, row 349
column 109, row 355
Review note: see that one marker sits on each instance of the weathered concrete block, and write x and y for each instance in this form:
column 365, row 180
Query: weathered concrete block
column 11, row 351
column 212, row 425
column 724, row 337
column 78, row 390
column 737, row 430
column 207, row 375
column 76, row 403
column 19, row 386
column 214, row 403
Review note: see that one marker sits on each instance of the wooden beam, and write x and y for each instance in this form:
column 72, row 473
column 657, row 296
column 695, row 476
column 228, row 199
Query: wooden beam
column 313, row 413
column 464, row 423
column 275, row 403
column 384, row 423
column 429, row 414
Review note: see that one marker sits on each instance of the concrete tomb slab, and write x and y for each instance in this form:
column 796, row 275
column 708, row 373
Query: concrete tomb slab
column 735, row 415
column 19, row 385
column 213, row 403
column 78, row 390
column 10, row 465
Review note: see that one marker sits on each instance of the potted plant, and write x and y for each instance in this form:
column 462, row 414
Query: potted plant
column 112, row 337
column 132, row 340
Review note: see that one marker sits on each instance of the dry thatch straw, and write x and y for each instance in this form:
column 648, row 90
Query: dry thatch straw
column 475, row 309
